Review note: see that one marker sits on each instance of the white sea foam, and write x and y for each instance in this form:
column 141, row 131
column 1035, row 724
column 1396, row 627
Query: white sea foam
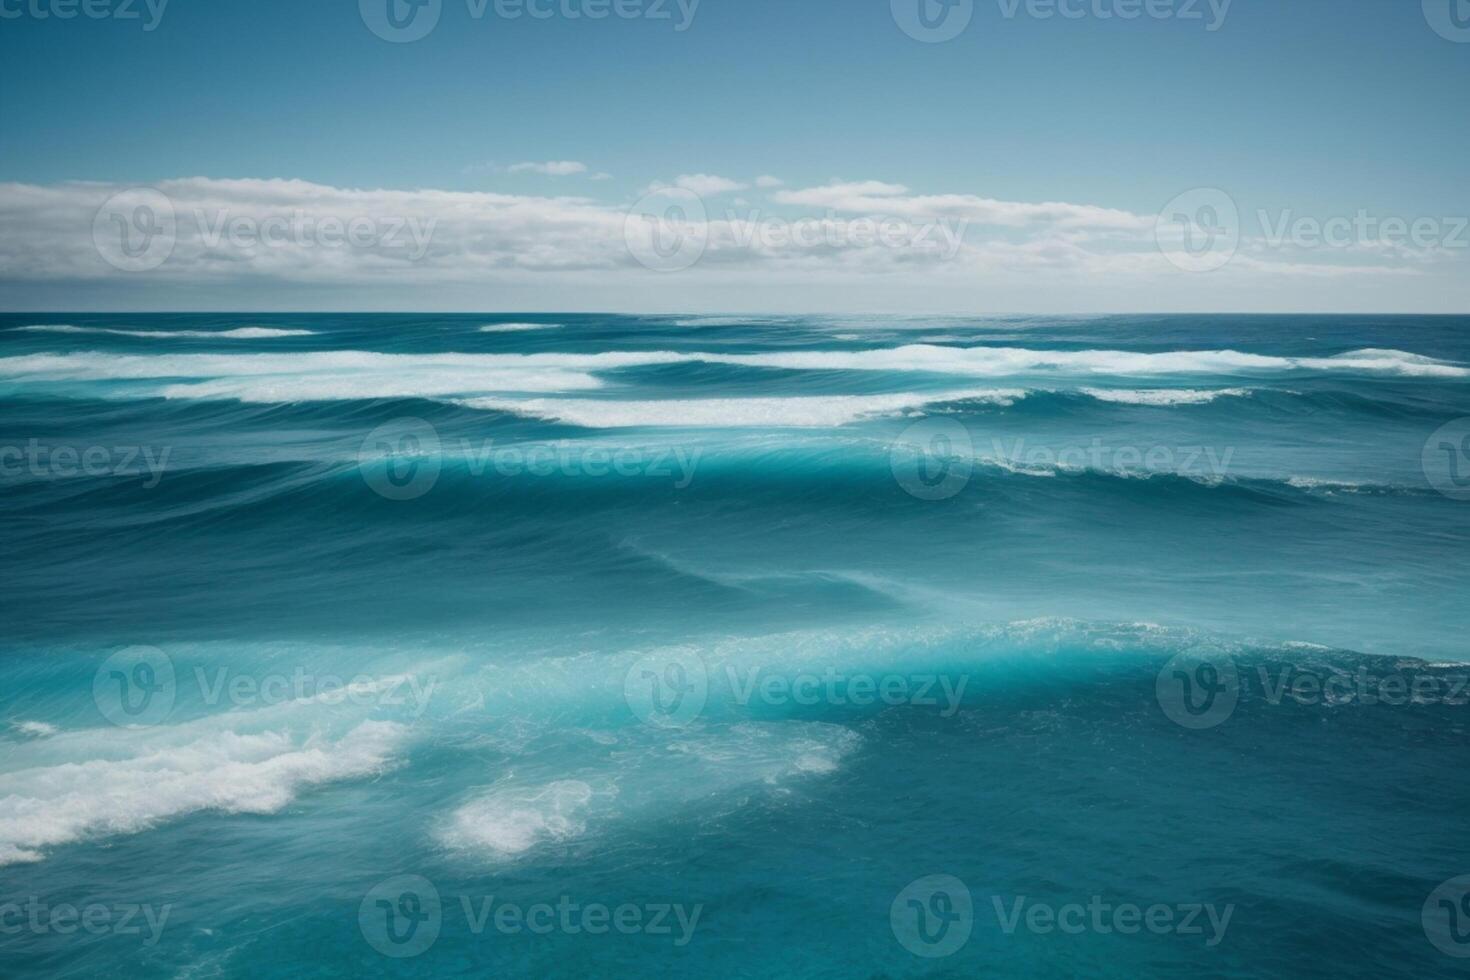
column 1003, row 361
column 346, row 386
column 517, row 327
column 712, row 320
column 125, row 782
column 512, row 819
column 1164, row 396
column 1022, row 469
column 319, row 375
column 34, row 729
column 1314, row 483
column 804, row 412
column 97, row 366
column 769, row 753
column 238, row 333
column 1304, row 645
column 329, row 375
column 645, row 777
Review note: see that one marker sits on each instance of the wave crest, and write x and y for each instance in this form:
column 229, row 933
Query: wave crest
column 803, row 412
column 237, row 333
column 226, row 771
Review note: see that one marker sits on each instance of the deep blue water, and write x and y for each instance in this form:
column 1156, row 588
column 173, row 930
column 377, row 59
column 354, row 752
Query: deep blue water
column 783, row 646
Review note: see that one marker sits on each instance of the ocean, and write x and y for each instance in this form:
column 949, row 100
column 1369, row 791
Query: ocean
column 734, row 646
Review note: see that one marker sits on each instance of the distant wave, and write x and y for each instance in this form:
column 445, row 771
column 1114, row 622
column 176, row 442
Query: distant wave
column 1003, row 361
column 173, row 771
column 92, row 783
column 802, row 412
column 713, row 320
column 238, row 333
column 1163, row 396
column 1203, row 476
column 341, row 375
column 517, row 327
column 1337, row 486
column 314, row 375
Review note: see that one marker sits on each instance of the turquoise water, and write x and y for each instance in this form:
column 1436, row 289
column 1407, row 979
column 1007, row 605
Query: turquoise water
column 783, row 646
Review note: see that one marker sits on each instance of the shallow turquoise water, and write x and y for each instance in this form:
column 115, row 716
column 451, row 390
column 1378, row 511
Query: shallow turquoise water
column 707, row 644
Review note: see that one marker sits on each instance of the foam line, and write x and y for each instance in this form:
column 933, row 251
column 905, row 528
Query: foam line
column 1163, row 397
column 199, row 768
column 808, row 412
column 238, row 333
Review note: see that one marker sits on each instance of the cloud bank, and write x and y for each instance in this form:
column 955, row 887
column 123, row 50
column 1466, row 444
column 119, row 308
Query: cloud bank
column 835, row 244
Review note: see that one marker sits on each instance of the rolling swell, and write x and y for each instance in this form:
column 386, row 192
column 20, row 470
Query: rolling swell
column 783, row 526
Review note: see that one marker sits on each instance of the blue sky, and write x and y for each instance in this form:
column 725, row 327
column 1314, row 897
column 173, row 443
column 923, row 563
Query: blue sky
column 1316, row 107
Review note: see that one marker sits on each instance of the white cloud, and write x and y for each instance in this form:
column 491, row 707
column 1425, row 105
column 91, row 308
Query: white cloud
column 297, row 231
column 875, row 197
column 705, row 185
column 429, row 243
column 839, row 190
column 551, row 168
column 765, row 180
